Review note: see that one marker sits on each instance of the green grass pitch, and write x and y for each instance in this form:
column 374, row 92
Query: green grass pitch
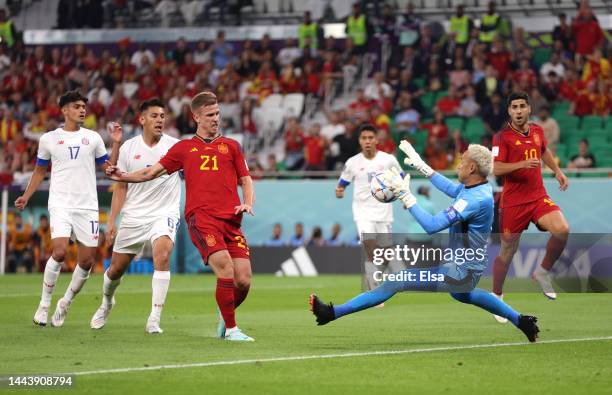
column 417, row 343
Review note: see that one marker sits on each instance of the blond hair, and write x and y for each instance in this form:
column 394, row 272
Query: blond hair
column 483, row 158
column 203, row 99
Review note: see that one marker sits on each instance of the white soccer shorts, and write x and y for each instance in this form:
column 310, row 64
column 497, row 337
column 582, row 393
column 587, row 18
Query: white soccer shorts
column 375, row 230
column 131, row 239
column 81, row 225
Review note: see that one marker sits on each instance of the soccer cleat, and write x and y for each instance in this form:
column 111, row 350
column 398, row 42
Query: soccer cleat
column 500, row 319
column 323, row 312
column 101, row 315
column 153, row 326
column 221, row 327
column 40, row 317
column 60, row 313
column 542, row 276
column 527, row 324
column 236, row 335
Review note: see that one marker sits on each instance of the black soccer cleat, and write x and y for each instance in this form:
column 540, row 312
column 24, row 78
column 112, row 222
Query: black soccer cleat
column 527, row 324
column 323, row 312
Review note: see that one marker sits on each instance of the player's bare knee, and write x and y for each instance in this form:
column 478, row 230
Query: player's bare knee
column 59, row 254
column 243, row 281
column 161, row 260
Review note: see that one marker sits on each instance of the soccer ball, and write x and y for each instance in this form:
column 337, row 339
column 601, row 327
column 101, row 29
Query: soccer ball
column 379, row 190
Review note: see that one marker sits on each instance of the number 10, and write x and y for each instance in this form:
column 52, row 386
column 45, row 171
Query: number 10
column 531, row 154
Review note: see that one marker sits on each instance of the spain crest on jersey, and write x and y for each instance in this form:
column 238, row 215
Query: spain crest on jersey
column 210, row 240
column 223, row 148
column 536, row 139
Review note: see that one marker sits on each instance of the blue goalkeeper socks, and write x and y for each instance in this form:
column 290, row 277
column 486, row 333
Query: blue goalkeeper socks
column 484, row 300
column 365, row 300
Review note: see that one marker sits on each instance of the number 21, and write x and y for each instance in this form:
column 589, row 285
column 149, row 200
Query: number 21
column 206, row 159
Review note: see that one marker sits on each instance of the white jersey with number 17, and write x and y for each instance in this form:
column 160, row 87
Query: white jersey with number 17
column 73, row 157
column 360, row 170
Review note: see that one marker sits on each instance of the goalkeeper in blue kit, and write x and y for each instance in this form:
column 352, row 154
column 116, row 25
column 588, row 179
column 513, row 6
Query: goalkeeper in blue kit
column 469, row 219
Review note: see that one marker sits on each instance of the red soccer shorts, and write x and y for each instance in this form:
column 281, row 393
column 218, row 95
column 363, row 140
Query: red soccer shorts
column 210, row 234
column 515, row 219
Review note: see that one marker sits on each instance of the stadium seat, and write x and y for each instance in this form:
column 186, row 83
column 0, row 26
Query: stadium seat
column 454, row 123
column 474, row 125
column 273, row 101
column 561, row 109
column 591, row 122
column 293, row 104
column 568, row 123
column 541, row 56
column 428, row 100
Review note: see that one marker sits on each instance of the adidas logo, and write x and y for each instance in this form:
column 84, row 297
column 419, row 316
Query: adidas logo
column 298, row 265
column 517, row 142
column 194, row 149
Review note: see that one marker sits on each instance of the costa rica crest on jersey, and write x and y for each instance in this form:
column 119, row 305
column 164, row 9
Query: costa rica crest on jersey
column 223, row 148
column 85, row 141
column 210, row 240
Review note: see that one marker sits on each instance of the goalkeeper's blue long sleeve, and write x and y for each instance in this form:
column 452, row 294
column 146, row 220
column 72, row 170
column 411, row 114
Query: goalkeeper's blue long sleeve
column 445, row 185
column 431, row 223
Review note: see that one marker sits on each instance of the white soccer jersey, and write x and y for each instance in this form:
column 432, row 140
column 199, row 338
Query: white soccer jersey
column 148, row 200
column 73, row 157
column 359, row 170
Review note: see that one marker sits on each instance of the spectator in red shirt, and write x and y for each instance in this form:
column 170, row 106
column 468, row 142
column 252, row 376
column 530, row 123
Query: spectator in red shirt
column 14, row 80
column 360, row 108
column 147, row 89
column 583, row 103
column 587, row 32
column 525, row 78
column 500, row 58
column 385, row 143
column 118, row 105
column 315, row 146
column 437, row 129
column 571, row 86
column 289, row 83
column 294, row 144
column 449, row 104
column 38, row 61
column 189, row 69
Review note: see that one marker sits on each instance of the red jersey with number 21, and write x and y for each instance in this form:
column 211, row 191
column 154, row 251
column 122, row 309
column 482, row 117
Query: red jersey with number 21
column 510, row 146
column 212, row 170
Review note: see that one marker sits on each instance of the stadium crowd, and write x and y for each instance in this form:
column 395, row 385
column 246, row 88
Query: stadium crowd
column 442, row 89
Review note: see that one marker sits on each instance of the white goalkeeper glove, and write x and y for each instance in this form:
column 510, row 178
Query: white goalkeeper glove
column 399, row 186
column 413, row 159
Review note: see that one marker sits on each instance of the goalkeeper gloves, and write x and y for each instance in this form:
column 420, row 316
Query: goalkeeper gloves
column 413, row 159
column 399, row 186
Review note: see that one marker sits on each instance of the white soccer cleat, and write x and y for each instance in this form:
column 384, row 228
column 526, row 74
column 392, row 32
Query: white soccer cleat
column 542, row 276
column 153, row 326
column 380, row 306
column 101, row 315
column 236, row 335
column 61, row 310
column 40, row 317
column 501, row 320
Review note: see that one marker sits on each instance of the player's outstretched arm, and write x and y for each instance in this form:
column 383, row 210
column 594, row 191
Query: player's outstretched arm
column 445, row 185
column 503, row 168
column 430, row 223
column 549, row 161
column 39, row 174
column 119, row 194
column 248, row 192
column 143, row 175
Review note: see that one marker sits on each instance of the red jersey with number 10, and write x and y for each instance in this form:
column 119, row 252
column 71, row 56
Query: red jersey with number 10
column 511, row 146
column 212, row 170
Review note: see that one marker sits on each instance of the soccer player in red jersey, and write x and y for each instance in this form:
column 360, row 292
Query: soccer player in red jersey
column 214, row 166
column 518, row 149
